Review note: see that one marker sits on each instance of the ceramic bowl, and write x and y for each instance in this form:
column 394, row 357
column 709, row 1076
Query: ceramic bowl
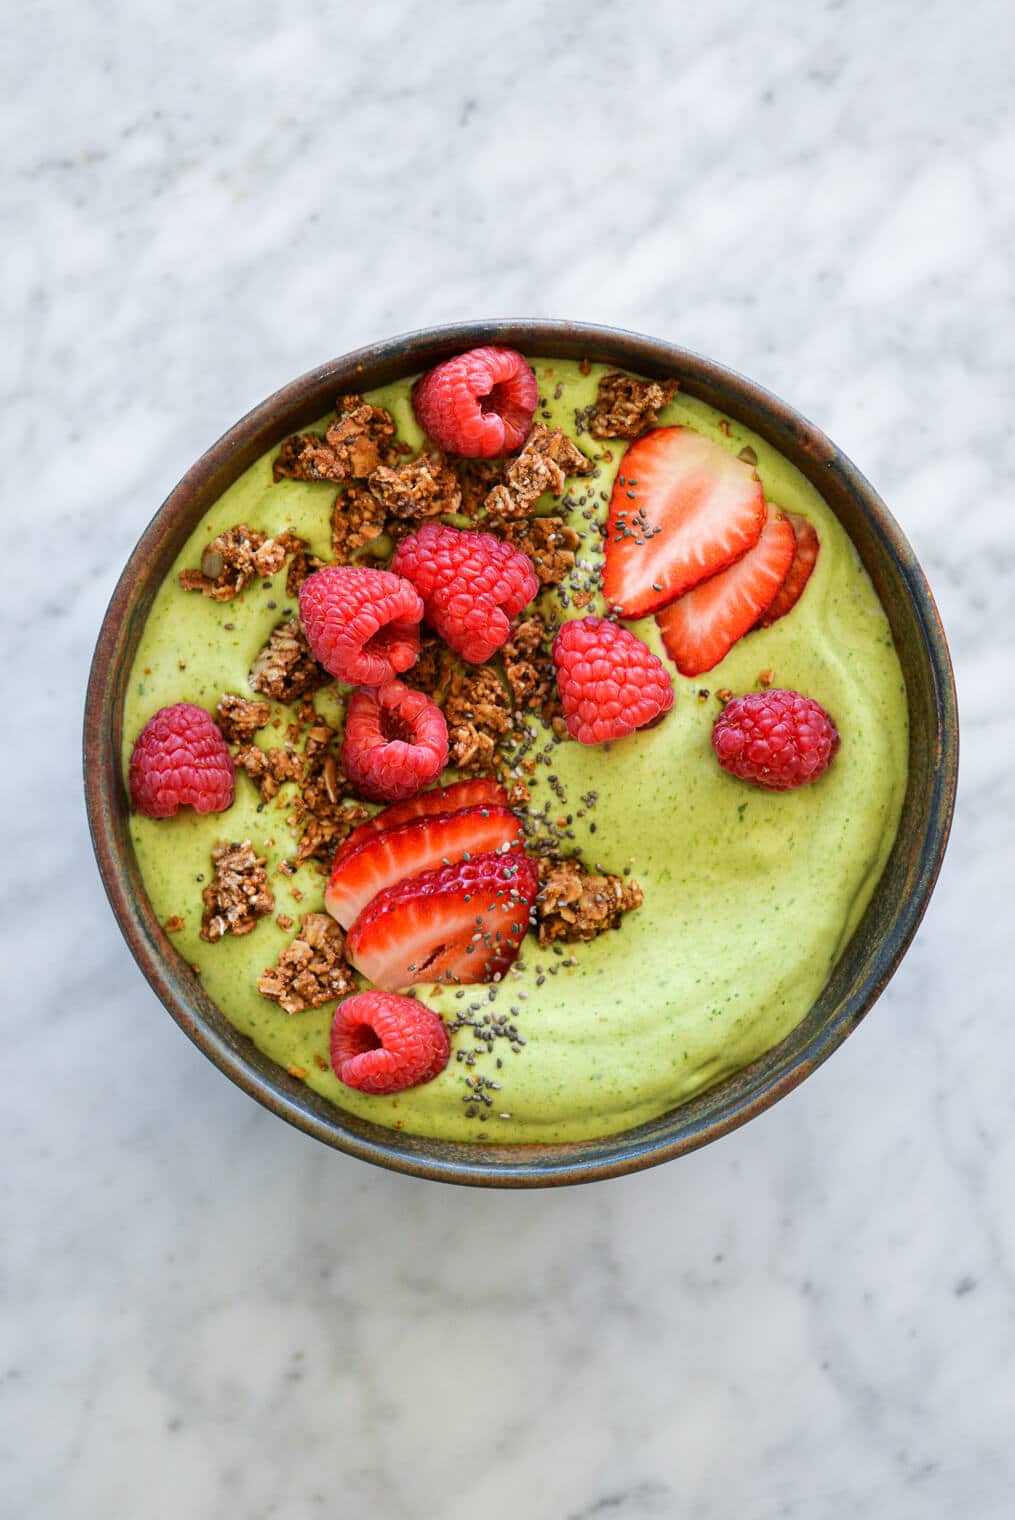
column 876, row 947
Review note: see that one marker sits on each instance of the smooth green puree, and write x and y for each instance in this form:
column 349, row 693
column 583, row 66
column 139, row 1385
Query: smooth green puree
column 750, row 896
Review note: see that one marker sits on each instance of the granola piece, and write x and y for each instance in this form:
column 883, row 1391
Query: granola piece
column 357, row 518
column 575, row 903
column 478, row 714
column 269, row 769
column 285, row 668
column 359, row 439
column 301, row 564
column 518, row 795
column 238, row 894
column 528, row 667
column 311, row 970
column 544, row 464
column 434, row 669
column 625, row 407
column 549, row 542
column 477, row 478
column 326, row 823
column 315, row 751
column 426, row 486
column 232, row 560
column 239, row 718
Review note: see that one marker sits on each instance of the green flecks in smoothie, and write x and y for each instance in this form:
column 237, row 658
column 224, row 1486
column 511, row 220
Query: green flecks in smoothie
column 750, row 896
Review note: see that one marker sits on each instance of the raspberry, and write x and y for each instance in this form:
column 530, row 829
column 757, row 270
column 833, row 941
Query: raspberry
column 362, row 624
column 610, row 683
column 472, row 585
column 383, row 1043
column 396, row 741
column 777, row 739
column 478, row 404
column 181, row 759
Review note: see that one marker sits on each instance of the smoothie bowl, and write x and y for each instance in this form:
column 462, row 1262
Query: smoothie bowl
column 519, row 753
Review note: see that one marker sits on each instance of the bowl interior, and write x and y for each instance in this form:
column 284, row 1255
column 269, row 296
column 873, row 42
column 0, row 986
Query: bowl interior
column 872, row 954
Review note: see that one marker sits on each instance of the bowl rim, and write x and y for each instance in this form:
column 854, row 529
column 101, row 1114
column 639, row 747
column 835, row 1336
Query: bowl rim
column 494, row 1164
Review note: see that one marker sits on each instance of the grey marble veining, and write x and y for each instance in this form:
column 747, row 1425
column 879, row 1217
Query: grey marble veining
column 206, row 1314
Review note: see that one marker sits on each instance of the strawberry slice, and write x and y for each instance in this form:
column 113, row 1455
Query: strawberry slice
column 441, row 799
column 463, row 923
column 422, row 844
column 799, row 572
column 700, row 628
column 682, row 509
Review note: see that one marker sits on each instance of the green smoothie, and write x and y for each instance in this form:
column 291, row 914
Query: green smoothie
column 749, row 896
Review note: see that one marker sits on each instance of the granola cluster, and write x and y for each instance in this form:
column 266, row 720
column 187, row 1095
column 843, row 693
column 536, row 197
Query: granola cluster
column 239, row 718
column 528, row 668
column 285, row 668
column 311, row 970
column 360, row 438
column 426, row 486
column 232, row 560
column 625, row 407
column 269, row 769
column 238, row 894
column 357, row 519
column 322, row 811
column 549, row 542
column 578, row 904
column 546, row 460
column 478, row 714
column 477, row 478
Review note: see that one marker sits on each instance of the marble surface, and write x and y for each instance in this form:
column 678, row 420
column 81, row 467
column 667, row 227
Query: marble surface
column 204, row 1312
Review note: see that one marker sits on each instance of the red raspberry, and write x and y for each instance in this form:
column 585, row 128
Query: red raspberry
column 610, row 683
column 478, row 404
column 472, row 584
column 181, row 759
column 396, row 741
column 777, row 739
column 383, row 1043
column 362, row 624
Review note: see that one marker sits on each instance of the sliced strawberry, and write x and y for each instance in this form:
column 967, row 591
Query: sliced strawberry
column 463, row 923
column 422, row 844
column 440, row 799
column 799, row 572
column 682, row 509
column 700, row 628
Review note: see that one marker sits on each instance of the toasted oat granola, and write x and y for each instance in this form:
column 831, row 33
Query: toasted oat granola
column 357, row 518
column 478, row 714
column 357, row 441
column 269, row 769
column 326, row 823
column 625, row 407
column 239, row 718
column 232, row 560
column 575, row 903
column 477, row 478
column 238, row 894
column 528, row 667
column 549, row 542
column 546, row 460
column 434, row 669
column 285, row 668
column 426, row 486
column 301, row 564
column 311, row 970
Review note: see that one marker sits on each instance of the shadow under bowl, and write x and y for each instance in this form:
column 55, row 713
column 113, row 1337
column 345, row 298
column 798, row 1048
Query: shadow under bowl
column 880, row 940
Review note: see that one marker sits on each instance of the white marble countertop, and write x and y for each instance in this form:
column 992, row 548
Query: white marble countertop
column 207, row 1314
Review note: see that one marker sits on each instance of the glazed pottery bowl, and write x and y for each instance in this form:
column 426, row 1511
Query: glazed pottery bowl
column 876, row 947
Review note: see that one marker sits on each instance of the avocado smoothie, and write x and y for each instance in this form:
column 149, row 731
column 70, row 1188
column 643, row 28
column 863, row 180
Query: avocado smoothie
column 750, row 896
